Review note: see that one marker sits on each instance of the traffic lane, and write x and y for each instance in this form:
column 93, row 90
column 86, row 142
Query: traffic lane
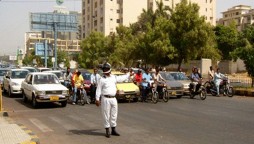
column 215, row 120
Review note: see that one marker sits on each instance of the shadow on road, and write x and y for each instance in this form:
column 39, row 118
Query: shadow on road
column 87, row 132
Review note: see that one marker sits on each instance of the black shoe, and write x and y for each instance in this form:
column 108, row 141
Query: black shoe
column 107, row 133
column 114, row 132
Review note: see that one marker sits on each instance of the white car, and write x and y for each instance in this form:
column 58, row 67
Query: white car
column 31, row 69
column 40, row 87
column 12, row 81
column 42, row 69
column 59, row 74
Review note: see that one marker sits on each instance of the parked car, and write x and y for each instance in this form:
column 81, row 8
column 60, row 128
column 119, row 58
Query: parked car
column 59, row 75
column 42, row 69
column 12, row 81
column 3, row 71
column 182, row 78
column 41, row 87
column 174, row 88
column 126, row 90
column 31, row 69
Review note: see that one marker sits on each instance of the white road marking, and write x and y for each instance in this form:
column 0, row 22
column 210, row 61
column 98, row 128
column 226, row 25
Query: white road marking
column 66, row 125
column 40, row 125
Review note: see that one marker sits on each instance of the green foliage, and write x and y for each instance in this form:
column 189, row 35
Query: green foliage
column 94, row 50
column 227, row 39
column 246, row 50
column 190, row 34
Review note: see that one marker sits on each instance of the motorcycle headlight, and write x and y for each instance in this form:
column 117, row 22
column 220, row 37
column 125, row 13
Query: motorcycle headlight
column 14, row 84
column 65, row 92
column 41, row 93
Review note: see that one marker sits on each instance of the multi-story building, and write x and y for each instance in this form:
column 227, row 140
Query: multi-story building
column 106, row 15
column 31, row 38
column 242, row 15
column 207, row 7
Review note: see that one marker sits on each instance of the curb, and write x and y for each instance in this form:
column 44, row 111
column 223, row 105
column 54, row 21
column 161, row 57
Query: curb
column 34, row 138
column 243, row 92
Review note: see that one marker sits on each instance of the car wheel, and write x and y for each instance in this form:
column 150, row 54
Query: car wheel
column 63, row 103
column 24, row 97
column 34, row 102
column 9, row 91
column 135, row 99
column 179, row 96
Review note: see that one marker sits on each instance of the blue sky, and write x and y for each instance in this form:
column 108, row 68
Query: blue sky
column 14, row 18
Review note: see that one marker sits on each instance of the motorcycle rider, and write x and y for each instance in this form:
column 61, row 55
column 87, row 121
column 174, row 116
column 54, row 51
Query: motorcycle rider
column 146, row 79
column 217, row 80
column 157, row 79
column 211, row 73
column 67, row 77
column 196, row 79
column 78, row 81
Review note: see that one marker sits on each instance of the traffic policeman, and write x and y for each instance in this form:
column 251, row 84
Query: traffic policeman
column 105, row 96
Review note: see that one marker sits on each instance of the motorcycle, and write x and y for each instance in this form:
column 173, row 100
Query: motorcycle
column 225, row 88
column 159, row 91
column 201, row 91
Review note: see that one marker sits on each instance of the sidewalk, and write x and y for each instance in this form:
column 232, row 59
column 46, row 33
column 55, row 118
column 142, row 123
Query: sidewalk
column 12, row 133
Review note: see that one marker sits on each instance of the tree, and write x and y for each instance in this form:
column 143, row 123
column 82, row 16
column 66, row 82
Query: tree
column 227, row 39
column 246, row 50
column 122, row 45
column 94, row 50
column 154, row 46
column 189, row 33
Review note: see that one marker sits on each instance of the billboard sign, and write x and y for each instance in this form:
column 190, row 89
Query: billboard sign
column 40, row 49
column 49, row 21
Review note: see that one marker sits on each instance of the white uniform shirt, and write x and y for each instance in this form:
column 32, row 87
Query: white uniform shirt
column 107, row 85
column 95, row 78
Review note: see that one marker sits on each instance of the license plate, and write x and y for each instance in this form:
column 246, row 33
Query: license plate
column 54, row 98
column 173, row 92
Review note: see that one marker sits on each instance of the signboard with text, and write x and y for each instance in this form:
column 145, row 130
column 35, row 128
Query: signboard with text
column 12, row 57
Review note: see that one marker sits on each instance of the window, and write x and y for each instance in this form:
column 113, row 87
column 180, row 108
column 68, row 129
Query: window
column 101, row 19
column 88, row 1
column 118, row 11
column 118, row 21
column 237, row 13
column 111, row 19
column 95, row 23
column 95, row 5
column 101, row 2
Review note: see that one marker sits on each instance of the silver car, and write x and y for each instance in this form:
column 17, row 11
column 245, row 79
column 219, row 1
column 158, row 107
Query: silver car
column 174, row 88
column 182, row 78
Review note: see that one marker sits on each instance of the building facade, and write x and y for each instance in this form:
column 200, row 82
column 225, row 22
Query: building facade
column 105, row 15
column 242, row 15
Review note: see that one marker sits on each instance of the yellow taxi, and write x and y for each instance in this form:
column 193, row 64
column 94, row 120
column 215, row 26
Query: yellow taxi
column 126, row 90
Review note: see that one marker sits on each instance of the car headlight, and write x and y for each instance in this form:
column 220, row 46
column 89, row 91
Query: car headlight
column 14, row 84
column 65, row 92
column 41, row 93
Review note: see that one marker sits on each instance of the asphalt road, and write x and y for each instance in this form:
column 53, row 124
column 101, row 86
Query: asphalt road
column 216, row 120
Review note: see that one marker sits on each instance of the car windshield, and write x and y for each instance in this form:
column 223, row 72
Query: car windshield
column 19, row 74
column 179, row 76
column 45, row 79
column 58, row 74
column 3, row 72
column 31, row 69
column 167, row 76
column 86, row 76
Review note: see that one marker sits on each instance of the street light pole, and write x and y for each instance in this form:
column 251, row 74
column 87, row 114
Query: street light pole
column 55, row 44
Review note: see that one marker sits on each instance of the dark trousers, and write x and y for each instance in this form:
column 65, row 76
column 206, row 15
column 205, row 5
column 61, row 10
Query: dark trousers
column 93, row 92
column 145, row 91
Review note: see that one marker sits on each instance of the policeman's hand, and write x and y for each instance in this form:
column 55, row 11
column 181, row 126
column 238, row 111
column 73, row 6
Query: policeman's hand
column 98, row 103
